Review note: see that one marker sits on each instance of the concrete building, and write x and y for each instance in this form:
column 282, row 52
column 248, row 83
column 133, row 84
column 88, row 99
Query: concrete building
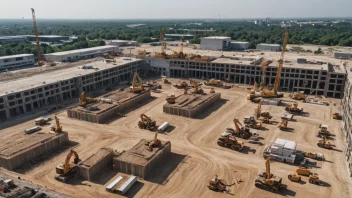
column 16, row 61
column 238, row 45
column 315, row 78
column 347, row 121
column 12, row 39
column 48, row 38
column 343, row 55
column 28, row 94
column 179, row 36
column 269, row 47
column 121, row 43
column 80, row 54
column 215, row 43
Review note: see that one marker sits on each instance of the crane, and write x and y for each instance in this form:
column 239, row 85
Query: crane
column 162, row 41
column 273, row 93
column 137, row 83
column 265, row 65
column 258, row 110
column 182, row 41
column 36, row 37
column 65, row 170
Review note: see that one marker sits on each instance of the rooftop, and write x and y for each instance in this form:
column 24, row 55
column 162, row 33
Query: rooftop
column 241, row 42
column 217, row 37
column 46, row 36
column 236, row 60
column 82, row 50
column 179, row 35
column 56, row 76
column 274, row 45
column 15, row 56
column 10, row 37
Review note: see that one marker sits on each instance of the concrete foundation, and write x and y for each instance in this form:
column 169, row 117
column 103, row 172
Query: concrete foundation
column 100, row 111
column 17, row 151
column 139, row 161
column 99, row 161
column 190, row 105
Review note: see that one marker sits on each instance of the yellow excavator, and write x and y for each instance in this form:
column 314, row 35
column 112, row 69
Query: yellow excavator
column 298, row 95
column 67, row 170
column 84, row 100
column 242, row 132
column 251, row 122
column 258, row 113
column 58, row 127
column 146, row 122
column 230, row 141
column 212, row 90
column 196, row 89
column 283, row 124
column 218, row 185
column 154, row 143
column 293, row 108
column 268, row 181
column 171, row 99
column 265, row 65
column 324, row 143
column 165, row 80
column 181, row 85
column 251, row 94
column 137, row 84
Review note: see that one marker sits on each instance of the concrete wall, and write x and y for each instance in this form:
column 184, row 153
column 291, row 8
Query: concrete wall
column 16, row 61
column 347, row 123
column 40, row 149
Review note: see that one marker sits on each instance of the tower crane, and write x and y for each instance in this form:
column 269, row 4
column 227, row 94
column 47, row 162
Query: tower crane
column 162, row 41
column 40, row 63
column 182, row 41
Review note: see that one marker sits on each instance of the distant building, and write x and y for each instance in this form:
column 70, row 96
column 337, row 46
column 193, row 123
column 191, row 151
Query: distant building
column 121, row 43
column 16, row 61
column 237, row 45
column 269, row 47
column 179, row 36
column 12, row 39
column 215, row 43
column 80, row 54
column 343, row 55
column 48, row 38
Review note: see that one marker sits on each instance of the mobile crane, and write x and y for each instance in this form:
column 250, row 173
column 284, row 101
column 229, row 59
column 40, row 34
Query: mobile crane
column 66, row 171
column 268, row 181
column 137, row 84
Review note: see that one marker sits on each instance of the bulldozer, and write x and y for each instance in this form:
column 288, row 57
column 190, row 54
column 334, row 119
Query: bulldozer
column 293, row 108
column 241, row 132
column 251, row 122
column 146, row 122
column 154, row 143
column 283, row 124
column 316, row 156
column 58, row 127
column 230, row 141
column 171, row 99
column 218, row 185
column 181, row 85
column 268, row 181
column 298, row 95
column 336, row 116
column 165, row 80
column 324, row 144
column 66, row 171
column 137, row 84
column 41, row 121
column 196, row 89
column 84, row 100
column 323, row 131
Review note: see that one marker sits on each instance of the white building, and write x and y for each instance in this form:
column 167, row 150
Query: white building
column 80, row 54
column 120, row 43
column 269, row 47
column 282, row 150
column 237, row 45
column 215, row 43
column 16, row 61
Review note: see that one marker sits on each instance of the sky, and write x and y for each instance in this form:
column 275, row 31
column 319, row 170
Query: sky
column 175, row 9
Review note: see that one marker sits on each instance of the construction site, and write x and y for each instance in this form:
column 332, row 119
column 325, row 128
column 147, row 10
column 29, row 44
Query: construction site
column 231, row 136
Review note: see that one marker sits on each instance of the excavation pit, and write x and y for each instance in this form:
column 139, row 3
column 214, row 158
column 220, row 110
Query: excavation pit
column 108, row 106
column 191, row 105
column 139, row 161
column 20, row 148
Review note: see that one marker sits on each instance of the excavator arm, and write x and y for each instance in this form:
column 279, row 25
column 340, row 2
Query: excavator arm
column 137, row 83
column 258, row 111
column 281, row 62
column 236, row 122
column 67, row 166
column 267, row 171
column 58, row 126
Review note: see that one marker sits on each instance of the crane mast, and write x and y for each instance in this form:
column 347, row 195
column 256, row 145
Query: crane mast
column 162, row 41
column 36, row 37
column 281, row 62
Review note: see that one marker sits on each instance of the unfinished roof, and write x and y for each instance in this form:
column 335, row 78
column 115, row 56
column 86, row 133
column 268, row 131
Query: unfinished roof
column 82, row 50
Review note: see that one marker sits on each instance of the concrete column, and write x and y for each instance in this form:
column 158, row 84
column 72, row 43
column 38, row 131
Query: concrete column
column 7, row 113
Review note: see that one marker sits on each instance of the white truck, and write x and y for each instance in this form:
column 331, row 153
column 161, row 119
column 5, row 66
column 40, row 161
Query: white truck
column 281, row 150
column 33, row 129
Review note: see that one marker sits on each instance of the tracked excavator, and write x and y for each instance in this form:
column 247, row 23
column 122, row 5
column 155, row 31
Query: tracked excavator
column 298, row 95
column 268, row 181
column 171, row 99
column 154, row 143
column 251, row 122
column 41, row 121
column 146, row 122
column 67, row 170
column 58, row 127
column 242, row 132
column 230, row 141
column 218, row 185
column 137, row 84
column 84, row 100
column 324, row 143
column 196, row 89
column 258, row 112
column 293, row 108
column 212, row 90
column 181, row 85
column 283, row 124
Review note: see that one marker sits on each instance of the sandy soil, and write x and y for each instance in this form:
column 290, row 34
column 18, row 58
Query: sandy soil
column 196, row 156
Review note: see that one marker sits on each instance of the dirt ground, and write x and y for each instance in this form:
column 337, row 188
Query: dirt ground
column 196, row 156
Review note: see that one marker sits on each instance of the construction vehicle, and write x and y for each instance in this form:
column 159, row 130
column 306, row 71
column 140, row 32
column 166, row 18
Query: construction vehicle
column 212, row 90
column 252, row 93
column 324, row 143
column 268, row 181
column 181, row 85
column 58, row 127
column 162, row 53
column 293, row 108
column 254, row 139
column 323, row 130
column 258, row 113
column 171, row 99
column 165, row 80
column 316, row 156
column 154, row 143
column 283, row 124
column 228, row 140
column 196, row 89
column 218, row 185
column 336, row 116
column 146, row 122
column 216, row 83
column 294, row 177
column 40, row 62
column 137, row 84
column 314, row 179
column 84, row 100
column 67, row 170
column 251, row 122
column 298, row 95
column 242, row 132
column 265, row 65
column 41, row 121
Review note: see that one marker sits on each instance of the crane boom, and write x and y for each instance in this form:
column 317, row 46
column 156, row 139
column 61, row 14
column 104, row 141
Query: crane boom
column 36, row 37
column 162, row 41
column 281, row 62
